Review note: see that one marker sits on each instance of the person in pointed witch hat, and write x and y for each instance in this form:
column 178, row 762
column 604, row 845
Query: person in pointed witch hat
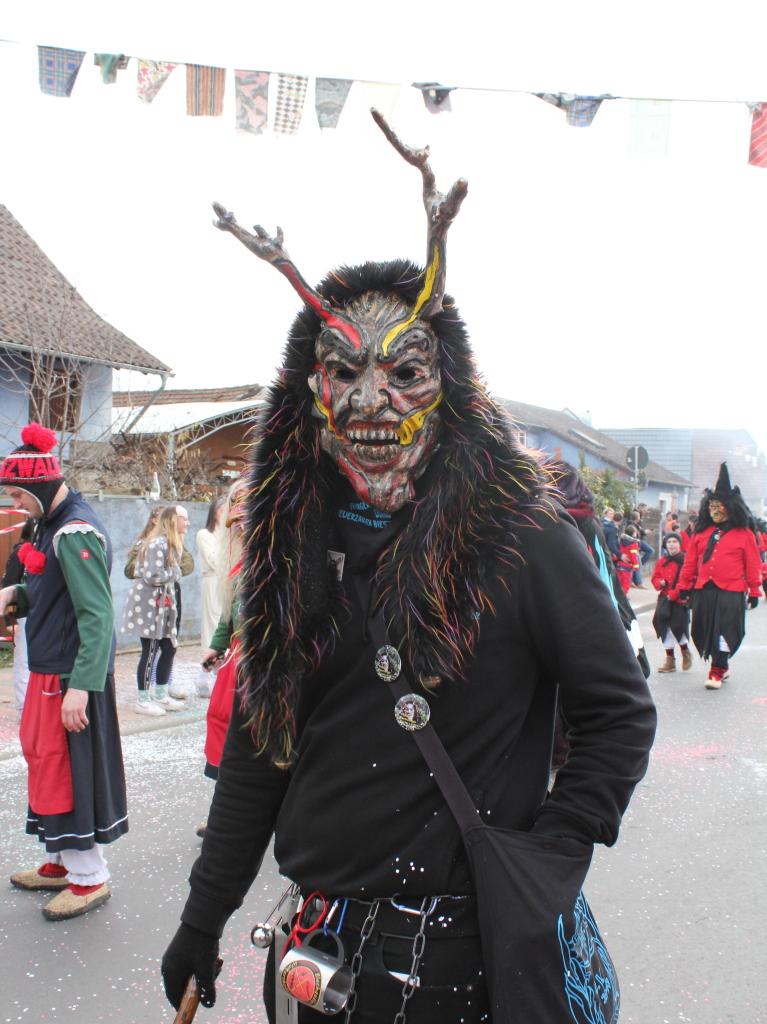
column 388, row 498
column 721, row 575
column 69, row 730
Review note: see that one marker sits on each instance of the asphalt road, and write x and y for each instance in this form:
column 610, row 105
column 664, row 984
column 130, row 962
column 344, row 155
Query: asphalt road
column 681, row 899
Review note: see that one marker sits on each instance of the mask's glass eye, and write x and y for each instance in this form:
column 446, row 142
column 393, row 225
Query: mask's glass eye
column 405, row 375
column 343, row 373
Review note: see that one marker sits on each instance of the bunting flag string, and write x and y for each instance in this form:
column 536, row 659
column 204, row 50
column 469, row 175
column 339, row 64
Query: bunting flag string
column 757, row 151
column 152, row 75
column 648, row 128
column 204, row 90
column 649, row 119
column 330, row 95
column 110, row 64
column 580, row 110
column 435, row 96
column 251, row 96
column 291, row 91
column 58, row 69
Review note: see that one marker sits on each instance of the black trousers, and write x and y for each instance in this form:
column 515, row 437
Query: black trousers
column 149, row 650
column 451, row 989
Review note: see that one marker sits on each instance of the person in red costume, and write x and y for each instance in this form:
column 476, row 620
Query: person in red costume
column 722, row 570
column 671, row 621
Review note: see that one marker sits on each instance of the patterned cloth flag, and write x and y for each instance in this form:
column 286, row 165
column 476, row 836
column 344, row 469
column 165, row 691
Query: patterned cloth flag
column 252, row 93
column 291, row 91
column 757, row 151
column 58, row 69
column 648, row 128
column 204, row 90
column 382, row 97
column 110, row 64
column 581, row 110
column 152, row 75
column 329, row 98
column 435, row 96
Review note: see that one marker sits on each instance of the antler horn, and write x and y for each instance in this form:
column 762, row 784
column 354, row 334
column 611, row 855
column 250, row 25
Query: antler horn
column 272, row 251
column 441, row 211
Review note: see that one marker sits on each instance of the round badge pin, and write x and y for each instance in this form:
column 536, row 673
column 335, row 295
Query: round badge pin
column 388, row 663
column 412, row 712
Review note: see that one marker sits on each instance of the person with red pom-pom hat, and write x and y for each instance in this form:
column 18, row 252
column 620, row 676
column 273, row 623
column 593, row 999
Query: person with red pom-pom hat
column 69, row 730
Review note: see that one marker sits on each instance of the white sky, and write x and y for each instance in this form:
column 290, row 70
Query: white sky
column 588, row 278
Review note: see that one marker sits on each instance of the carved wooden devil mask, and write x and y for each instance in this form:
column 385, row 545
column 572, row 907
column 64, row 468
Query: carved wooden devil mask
column 376, row 381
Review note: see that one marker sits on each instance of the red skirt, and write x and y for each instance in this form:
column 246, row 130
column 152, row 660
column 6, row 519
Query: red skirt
column 220, row 709
column 45, row 747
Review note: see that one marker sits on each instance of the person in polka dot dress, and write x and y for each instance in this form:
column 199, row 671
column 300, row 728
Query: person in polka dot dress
column 151, row 611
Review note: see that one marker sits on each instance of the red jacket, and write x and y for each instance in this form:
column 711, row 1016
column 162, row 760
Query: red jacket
column 734, row 565
column 669, row 571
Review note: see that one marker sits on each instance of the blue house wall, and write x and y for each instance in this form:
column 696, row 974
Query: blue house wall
column 96, row 407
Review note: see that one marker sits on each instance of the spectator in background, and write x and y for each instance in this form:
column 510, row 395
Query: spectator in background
column 14, row 574
column 610, row 531
column 151, row 611
column 151, row 522
column 628, row 561
column 645, row 551
column 672, row 522
column 689, row 530
column 208, row 539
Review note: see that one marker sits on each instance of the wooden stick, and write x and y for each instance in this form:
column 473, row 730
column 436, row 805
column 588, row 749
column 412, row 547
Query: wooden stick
column 191, row 999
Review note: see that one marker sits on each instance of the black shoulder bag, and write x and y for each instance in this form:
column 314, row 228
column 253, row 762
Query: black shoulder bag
column 545, row 960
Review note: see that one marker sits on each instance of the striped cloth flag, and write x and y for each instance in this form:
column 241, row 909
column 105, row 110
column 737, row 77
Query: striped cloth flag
column 330, row 94
column 291, row 91
column 204, row 90
column 757, row 151
column 152, row 76
column 252, row 101
column 58, row 69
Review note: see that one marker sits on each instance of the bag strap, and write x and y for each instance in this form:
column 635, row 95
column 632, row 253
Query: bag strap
column 437, row 758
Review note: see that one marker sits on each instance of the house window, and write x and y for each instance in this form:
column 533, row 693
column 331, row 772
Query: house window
column 55, row 396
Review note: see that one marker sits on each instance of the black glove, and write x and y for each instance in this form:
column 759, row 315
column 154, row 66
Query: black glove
column 190, row 952
column 753, row 602
column 684, row 595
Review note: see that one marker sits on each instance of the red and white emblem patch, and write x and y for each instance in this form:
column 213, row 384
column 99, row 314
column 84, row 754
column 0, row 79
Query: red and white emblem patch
column 85, row 554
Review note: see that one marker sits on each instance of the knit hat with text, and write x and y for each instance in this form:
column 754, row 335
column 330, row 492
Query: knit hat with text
column 33, row 467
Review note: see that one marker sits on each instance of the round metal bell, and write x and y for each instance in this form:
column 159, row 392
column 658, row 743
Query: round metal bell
column 412, row 712
column 388, row 663
column 262, row 935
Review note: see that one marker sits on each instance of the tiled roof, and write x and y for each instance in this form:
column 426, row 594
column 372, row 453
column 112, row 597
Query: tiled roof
column 668, row 446
column 570, row 428
column 185, row 396
column 40, row 309
column 746, row 463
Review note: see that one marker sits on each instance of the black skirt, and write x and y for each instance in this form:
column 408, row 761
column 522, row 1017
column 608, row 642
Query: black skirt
column 670, row 615
column 715, row 613
column 98, row 781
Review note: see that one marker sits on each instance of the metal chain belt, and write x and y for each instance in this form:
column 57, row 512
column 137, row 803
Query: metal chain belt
column 419, row 943
column 356, row 964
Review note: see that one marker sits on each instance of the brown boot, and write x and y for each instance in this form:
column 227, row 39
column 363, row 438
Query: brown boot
column 686, row 660
column 669, row 665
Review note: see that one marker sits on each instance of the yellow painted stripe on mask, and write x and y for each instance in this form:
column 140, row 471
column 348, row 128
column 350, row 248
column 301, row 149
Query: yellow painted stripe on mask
column 328, row 416
column 426, row 293
column 413, row 423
